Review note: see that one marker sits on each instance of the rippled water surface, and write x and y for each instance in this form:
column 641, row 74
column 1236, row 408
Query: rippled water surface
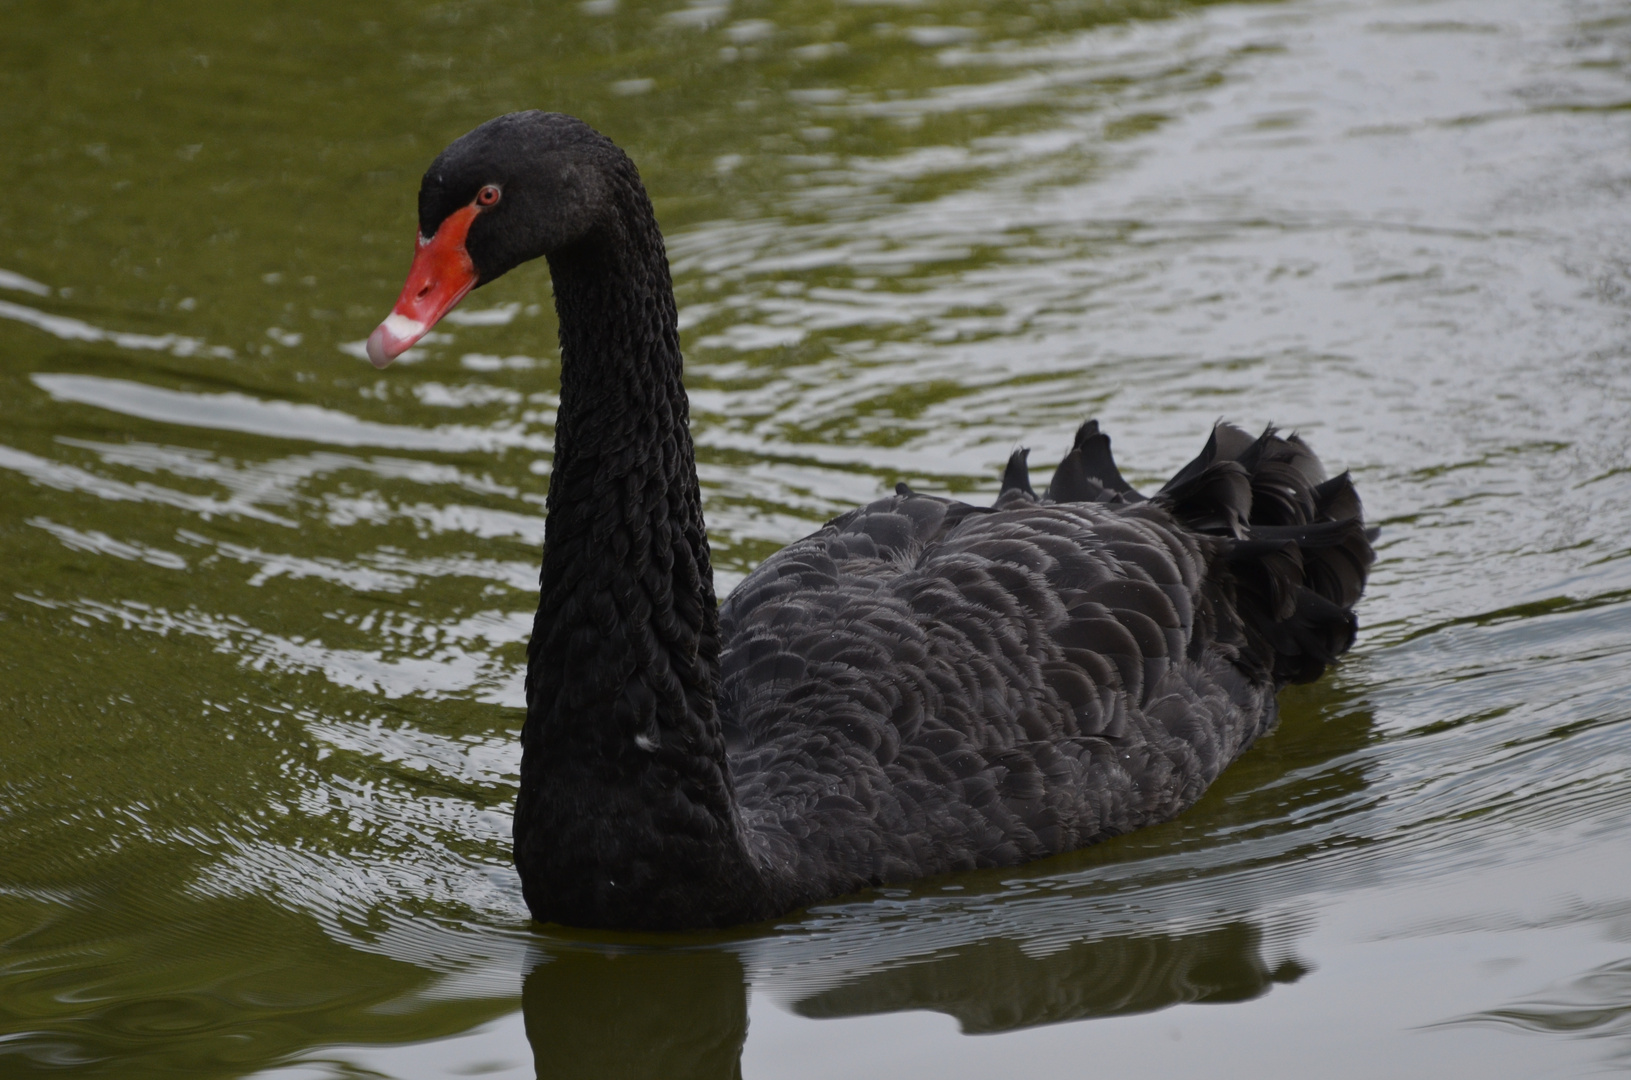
column 263, row 610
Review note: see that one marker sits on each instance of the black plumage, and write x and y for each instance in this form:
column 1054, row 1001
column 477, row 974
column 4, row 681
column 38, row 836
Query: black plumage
column 921, row 686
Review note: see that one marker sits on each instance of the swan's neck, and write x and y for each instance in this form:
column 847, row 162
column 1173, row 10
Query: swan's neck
column 626, row 643
column 625, row 792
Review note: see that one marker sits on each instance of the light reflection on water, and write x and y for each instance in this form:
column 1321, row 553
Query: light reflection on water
column 265, row 610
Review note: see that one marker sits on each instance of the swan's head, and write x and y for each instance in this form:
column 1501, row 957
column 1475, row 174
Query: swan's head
column 522, row 186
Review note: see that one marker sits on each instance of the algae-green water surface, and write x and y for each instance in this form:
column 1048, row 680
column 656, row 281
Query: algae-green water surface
column 263, row 610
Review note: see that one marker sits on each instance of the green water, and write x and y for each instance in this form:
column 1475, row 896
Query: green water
column 263, row 610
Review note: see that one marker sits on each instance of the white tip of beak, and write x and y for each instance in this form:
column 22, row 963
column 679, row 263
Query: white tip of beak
column 392, row 338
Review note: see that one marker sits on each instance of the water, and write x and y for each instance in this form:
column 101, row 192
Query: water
column 263, row 611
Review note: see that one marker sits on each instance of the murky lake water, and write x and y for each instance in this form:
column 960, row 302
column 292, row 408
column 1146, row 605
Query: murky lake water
column 263, row 610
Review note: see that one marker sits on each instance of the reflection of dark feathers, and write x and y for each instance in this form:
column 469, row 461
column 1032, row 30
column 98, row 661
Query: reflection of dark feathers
column 656, row 1015
column 924, row 686
column 994, row 985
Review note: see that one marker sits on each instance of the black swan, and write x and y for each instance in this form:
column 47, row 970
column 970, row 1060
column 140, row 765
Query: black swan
column 919, row 687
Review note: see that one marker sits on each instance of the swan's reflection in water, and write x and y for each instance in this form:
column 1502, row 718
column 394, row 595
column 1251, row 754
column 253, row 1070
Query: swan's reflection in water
column 994, row 986
column 682, row 1014
column 672, row 1014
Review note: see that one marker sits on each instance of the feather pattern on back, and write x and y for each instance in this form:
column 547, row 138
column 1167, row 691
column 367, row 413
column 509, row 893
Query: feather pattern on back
column 925, row 686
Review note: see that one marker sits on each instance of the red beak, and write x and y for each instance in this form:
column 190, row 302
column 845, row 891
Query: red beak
column 438, row 279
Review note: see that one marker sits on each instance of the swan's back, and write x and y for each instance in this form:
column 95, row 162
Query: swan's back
column 925, row 686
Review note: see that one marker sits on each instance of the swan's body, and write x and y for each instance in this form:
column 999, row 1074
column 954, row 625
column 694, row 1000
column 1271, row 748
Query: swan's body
column 921, row 686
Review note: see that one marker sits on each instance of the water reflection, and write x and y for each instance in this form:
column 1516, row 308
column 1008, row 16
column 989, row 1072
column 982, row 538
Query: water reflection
column 997, row 986
column 662, row 1015
column 683, row 1013
column 1594, row 1005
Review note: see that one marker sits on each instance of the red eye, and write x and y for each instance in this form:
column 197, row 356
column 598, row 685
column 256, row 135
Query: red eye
column 488, row 195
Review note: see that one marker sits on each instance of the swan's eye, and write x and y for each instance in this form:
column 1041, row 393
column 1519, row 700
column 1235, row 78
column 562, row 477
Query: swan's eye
column 488, row 195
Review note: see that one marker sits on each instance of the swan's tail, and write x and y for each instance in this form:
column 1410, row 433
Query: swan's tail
column 1295, row 543
column 1088, row 473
